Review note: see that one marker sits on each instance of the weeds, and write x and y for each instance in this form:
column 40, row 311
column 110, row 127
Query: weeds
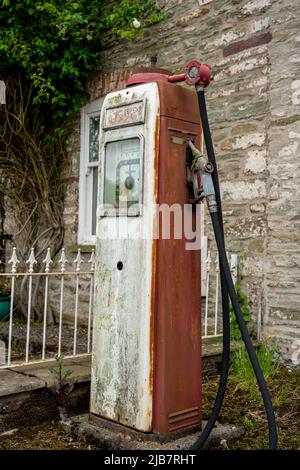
column 240, row 408
column 243, row 375
column 235, row 331
column 61, row 388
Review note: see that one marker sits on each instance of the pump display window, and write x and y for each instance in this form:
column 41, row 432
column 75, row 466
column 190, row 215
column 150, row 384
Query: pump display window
column 122, row 176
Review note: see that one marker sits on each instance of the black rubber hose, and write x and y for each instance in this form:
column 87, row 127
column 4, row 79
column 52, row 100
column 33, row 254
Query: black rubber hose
column 245, row 334
column 228, row 287
column 225, row 300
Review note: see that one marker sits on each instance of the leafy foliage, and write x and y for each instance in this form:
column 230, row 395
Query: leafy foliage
column 55, row 44
column 243, row 301
column 59, row 372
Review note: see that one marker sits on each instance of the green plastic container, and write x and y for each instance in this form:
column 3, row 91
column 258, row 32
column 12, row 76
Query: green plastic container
column 4, row 307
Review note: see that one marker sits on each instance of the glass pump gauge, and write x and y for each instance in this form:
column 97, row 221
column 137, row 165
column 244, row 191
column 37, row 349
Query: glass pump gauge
column 122, row 177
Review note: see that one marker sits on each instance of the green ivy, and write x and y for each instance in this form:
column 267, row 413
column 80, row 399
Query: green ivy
column 243, row 302
column 48, row 53
column 55, row 44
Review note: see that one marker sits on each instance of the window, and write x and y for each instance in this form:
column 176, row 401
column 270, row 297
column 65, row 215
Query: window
column 88, row 182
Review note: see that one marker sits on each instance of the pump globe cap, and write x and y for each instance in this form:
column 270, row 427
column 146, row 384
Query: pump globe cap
column 197, row 73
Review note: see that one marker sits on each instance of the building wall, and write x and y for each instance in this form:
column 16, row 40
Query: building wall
column 254, row 109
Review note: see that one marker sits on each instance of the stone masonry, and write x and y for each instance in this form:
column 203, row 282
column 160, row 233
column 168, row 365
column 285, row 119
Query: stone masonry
column 254, row 110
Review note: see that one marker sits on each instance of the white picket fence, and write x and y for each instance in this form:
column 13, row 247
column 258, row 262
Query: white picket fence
column 210, row 292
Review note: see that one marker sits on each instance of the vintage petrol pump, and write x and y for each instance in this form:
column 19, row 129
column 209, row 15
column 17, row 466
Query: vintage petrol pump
column 146, row 362
column 146, row 371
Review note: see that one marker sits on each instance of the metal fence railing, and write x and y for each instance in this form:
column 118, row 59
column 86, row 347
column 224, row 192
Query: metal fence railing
column 70, row 292
column 24, row 340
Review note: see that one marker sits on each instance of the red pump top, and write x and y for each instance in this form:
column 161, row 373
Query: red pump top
column 196, row 73
column 139, row 78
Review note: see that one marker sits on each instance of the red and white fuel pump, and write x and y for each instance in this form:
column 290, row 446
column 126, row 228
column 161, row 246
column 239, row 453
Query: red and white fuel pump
column 146, row 361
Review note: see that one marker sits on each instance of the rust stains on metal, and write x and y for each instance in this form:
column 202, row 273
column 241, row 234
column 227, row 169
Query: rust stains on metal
column 153, row 267
column 177, row 362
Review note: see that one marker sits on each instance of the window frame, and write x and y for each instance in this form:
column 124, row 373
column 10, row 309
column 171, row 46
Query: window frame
column 85, row 236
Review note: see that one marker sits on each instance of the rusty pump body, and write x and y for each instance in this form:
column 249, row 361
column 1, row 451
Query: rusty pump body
column 146, row 369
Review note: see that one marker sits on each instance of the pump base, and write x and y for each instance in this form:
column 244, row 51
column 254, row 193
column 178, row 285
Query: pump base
column 100, row 436
column 137, row 435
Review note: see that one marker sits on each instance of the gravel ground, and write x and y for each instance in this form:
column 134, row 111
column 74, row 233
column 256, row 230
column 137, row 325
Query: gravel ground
column 47, row 436
column 36, row 340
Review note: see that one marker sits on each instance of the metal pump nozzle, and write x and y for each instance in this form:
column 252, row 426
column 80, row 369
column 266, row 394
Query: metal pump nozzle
column 201, row 164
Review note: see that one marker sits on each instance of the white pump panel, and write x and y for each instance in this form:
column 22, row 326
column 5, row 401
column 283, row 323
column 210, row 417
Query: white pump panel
column 122, row 360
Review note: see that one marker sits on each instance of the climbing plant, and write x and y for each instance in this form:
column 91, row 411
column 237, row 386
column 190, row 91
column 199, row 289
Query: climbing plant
column 48, row 52
column 56, row 44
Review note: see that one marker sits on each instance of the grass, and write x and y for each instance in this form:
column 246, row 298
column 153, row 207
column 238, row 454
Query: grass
column 242, row 371
column 243, row 405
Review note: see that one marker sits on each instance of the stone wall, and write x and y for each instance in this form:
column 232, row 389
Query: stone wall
column 254, row 110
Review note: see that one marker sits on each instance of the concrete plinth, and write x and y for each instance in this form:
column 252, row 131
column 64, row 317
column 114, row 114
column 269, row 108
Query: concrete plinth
column 107, row 437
